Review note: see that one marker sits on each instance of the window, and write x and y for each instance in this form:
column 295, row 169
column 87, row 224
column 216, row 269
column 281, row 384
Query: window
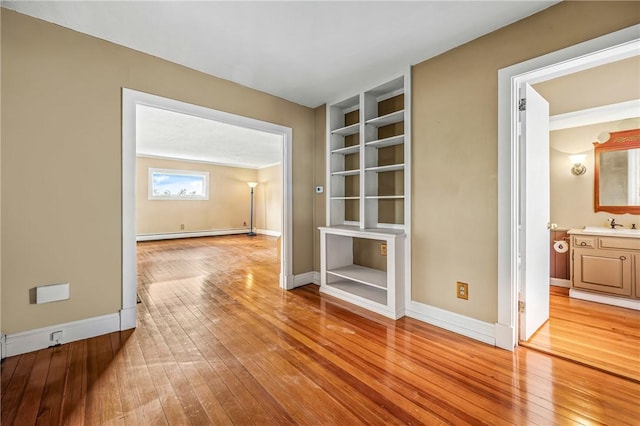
column 168, row 184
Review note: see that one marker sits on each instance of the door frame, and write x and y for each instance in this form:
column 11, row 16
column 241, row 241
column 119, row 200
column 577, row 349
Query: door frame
column 131, row 98
column 608, row 48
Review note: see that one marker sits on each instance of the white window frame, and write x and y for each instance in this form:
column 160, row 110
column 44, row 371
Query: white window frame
column 177, row 172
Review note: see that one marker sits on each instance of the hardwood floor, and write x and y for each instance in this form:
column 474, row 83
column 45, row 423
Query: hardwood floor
column 219, row 343
column 602, row 336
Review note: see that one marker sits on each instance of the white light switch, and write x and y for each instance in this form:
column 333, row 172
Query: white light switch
column 52, row 293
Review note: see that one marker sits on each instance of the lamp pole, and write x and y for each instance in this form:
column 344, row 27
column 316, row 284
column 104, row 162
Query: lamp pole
column 252, row 185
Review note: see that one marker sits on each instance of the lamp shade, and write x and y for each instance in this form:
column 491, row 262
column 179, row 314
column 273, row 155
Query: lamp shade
column 252, row 184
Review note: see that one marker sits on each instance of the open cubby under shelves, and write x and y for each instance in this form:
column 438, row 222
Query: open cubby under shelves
column 362, row 274
column 365, row 292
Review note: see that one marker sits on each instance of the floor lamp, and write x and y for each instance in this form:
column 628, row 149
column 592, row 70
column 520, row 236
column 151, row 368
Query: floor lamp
column 252, row 185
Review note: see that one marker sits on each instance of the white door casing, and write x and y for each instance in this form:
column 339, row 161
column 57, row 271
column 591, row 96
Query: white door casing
column 131, row 98
column 612, row 47
column 534, row 248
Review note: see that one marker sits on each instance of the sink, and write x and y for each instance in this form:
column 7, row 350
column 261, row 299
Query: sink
column 608, row 231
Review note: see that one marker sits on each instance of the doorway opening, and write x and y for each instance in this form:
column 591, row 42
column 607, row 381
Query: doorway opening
column 513, row 260
column 132, row 101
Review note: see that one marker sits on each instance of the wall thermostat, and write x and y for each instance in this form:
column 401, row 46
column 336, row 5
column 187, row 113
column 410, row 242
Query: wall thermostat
column 319, row 189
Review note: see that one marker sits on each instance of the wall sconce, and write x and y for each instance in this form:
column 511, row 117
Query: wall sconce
column 252, row 185
column 578, row 168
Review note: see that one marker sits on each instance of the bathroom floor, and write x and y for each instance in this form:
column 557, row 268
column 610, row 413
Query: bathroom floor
column 601, row 336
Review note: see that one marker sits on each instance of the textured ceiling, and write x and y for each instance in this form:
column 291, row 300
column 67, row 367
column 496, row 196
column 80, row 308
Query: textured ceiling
column 162, row 133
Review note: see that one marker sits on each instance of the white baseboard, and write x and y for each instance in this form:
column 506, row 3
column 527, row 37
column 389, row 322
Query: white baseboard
column 268, row 232
column 469, row 327
column 40, row 338
column 311, row 277
column 558, row 282
column 607, row 300
column 505, row 337
column 213, row 233
column 128, row 318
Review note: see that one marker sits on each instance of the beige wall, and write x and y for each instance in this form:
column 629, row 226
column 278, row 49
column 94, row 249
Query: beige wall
column 228, row 206
column 455, row 142
column 268, row 199
column 61, row 143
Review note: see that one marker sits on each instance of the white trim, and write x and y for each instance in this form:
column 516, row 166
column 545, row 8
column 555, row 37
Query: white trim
column 603, row 114
column 128, row 318
column 194, row 234
column 559, row 282
column 306, row 278
column 603, row 298
column 268, row 232
column 40, row 338
column 2, row 346
column 608, row 48
column 469, row 327
column 131, row 98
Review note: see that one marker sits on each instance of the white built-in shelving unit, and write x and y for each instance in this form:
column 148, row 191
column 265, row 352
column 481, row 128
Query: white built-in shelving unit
column 368, row 181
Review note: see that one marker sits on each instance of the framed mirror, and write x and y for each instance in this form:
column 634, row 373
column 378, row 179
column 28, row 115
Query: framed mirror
column 617, row 173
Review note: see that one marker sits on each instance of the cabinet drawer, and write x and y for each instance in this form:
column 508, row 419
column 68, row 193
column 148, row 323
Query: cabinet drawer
column 584, row 241
column 620, row 243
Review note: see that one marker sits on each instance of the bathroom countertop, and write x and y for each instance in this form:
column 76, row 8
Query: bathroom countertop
column 606, row 232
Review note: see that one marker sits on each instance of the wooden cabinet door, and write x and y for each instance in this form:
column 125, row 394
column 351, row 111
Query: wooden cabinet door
column 607, row 272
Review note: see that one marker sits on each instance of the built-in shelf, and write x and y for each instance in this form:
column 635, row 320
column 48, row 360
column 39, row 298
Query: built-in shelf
column 382, row 169
column 347, row 130
column 347, row 150
column 361, row 290
column 361, row 274
column 384, row 120
column 385, row 197
column 346, row 172
column 381, row 143
column 380, row 208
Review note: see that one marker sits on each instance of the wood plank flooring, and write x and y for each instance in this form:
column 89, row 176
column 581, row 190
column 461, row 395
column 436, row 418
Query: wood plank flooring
column 602, row 336
column 219, row 343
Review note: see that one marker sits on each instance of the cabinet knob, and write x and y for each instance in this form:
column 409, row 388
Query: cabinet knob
column 583, row 243
column 623, row 258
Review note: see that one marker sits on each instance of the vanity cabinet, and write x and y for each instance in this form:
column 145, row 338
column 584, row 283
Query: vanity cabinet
column 606, row 264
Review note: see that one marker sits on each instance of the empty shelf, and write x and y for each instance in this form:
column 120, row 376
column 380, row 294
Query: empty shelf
column 345, row 198
column 381, row 143
column 371, row 294
column 385, row 197
column 389, row 168
column 347, row 150
column 363, row 275
column 346, row 172
column 347, row 130
column 394, row 117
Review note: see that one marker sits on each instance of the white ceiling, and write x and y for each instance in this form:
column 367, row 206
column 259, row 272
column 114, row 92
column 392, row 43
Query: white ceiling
column 168, row 134
column 309, row 52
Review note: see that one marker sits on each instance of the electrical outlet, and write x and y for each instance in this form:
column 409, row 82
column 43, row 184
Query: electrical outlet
column 182, row 226
column 462, row 290
column 244, row 223
column 383, row 249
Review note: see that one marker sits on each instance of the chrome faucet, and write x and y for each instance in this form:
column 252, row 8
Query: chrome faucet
column 614, row 224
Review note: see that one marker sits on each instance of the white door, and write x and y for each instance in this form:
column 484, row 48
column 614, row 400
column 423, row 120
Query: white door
column 534, row 243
